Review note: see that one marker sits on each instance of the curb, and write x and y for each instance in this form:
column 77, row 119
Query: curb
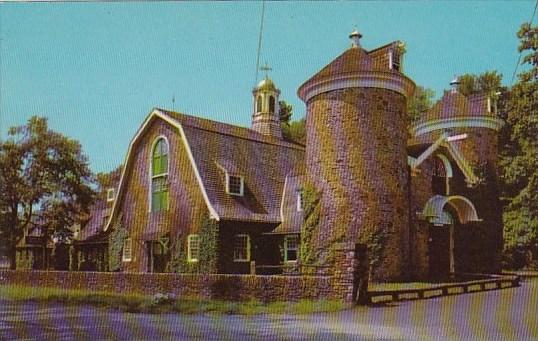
column 495, row 283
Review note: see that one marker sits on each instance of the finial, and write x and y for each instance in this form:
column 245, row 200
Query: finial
column 454, row 84
column 355, row 37
column 266, row 68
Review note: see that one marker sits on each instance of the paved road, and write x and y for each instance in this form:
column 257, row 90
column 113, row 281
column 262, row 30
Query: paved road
column 508, row 314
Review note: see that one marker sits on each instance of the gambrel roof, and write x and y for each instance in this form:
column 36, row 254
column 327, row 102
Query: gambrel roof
column 215, row 148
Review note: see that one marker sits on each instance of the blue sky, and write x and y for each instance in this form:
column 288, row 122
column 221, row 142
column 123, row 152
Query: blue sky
column 97, row 69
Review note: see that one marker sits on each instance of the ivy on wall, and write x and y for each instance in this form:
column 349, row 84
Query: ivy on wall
column 375, row 240
column 208, row 253
column 312, row 212
column 116, row 240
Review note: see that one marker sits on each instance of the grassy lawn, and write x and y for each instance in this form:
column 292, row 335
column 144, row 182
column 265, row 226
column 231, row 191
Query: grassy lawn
column 163, row 304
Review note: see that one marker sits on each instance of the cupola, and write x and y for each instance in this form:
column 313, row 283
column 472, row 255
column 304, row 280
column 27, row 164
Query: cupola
column 265, row 117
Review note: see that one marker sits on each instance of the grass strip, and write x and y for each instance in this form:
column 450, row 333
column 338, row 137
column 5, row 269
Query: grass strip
column 136, row 303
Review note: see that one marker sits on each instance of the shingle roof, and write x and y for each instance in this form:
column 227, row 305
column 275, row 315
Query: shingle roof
column 292, row 218
column 262, row 160
column 355, row 59
column 455, row 104
column 98, row 212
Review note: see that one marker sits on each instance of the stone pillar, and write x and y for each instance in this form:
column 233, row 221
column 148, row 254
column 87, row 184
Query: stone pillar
column 345, row 266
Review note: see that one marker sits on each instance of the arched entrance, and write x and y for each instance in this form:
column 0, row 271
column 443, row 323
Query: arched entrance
column 445, row 214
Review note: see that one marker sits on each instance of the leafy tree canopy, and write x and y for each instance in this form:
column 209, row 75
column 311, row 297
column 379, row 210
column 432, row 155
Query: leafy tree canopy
column 45, row 182
column 419, row 103
column 488, row 82
column 519, row 159
column 291, row 130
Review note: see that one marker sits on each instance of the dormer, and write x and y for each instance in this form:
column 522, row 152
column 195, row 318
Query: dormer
column 110, row 195
column 234, row 180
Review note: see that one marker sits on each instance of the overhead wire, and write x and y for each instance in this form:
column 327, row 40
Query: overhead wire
column 521, row 52
column 260, row 44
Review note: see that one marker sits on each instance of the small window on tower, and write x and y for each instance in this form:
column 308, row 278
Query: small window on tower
column 235, row 185
column 259, row 104
column 271, row 104
column 394, row 61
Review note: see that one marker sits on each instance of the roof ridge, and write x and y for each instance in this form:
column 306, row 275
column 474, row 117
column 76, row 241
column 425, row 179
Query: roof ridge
column 253, row 135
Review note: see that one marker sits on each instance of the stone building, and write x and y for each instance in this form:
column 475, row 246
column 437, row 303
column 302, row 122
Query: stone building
column 202, row 196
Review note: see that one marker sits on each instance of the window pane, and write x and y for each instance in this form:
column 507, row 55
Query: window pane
column 193, row 247
column 160, row 158
column 291, row 245
column 234, row 185
column 241, row 247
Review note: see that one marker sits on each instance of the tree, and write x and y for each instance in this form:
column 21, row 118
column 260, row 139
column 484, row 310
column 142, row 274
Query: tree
column 419, row 103
column 488, row 82
column 108, row 180
column 519, row 158
column 291, row 130
column 285, row 112
column 45, row 182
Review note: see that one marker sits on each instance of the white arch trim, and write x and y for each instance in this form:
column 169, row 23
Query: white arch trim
column 457, row 122
column 446, row 163
column 150, row 170
column 128, row 160
column 433, row 210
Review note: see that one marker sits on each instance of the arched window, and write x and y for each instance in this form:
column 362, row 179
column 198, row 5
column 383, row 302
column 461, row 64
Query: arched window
column 271, row 104
column 439, row 176
column 159, row 175
column 259, row 104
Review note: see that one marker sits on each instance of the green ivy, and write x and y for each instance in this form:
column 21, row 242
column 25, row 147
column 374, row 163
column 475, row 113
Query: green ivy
column 208, row 254
column 115, row 245
column 375, row 241
column 312, row 213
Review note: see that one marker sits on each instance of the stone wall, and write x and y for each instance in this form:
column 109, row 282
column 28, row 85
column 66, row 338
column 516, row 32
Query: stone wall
column 356, row 155
column 230, row 287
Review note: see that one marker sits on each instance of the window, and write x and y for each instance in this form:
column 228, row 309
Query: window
column 291, row 246
column 300, row 203
column 259, row 104
column 110, row 194
column 439, row 177
column 127, row 249
column 193, row 248
column 271, row 104
column 241, row 248
column 159, row 176
column 235, row 185
column 394, row 61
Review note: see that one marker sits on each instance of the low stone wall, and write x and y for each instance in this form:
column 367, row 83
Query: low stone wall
column 215, row 286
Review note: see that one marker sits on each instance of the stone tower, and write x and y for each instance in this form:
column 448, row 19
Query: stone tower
column 356, row 153
column 265, row 118
column 473, row 118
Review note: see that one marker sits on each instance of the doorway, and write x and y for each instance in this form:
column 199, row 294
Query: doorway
column 439, row 252
column 157, row 256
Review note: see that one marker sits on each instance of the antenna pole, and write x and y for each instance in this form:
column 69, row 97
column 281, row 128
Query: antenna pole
column 259, row 43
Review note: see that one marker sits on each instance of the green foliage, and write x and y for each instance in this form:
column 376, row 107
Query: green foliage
column 164, row 303
column 285, row 112
column 488, row 82
column 420, row 103
column 519, row 156
column 312, row 212
column 295, row 131
column 375, row 240
column 45, row 177
column 108, row 180
column 208, row 253
column 116, row 240
column 209, row 244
